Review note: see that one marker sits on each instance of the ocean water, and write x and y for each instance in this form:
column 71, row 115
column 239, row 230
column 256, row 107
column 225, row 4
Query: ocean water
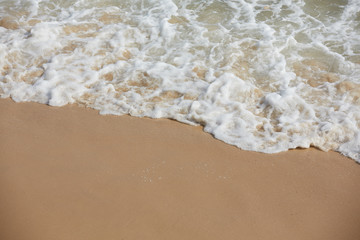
column 262, row 75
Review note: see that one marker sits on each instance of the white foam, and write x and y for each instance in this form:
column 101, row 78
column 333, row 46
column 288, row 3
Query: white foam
column 260, row 75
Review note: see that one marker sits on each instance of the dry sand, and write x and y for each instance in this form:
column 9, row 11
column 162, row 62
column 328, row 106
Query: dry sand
column 70, row 173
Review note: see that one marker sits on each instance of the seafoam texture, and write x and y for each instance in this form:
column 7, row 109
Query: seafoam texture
column 262, row 75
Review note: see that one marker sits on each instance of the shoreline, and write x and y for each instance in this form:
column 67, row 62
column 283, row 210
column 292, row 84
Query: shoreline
column 70, row 173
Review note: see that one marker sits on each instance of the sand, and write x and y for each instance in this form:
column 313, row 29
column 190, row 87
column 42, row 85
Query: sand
column 70, row 173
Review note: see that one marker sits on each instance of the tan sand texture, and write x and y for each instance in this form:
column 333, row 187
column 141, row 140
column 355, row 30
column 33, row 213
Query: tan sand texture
column 70, row 173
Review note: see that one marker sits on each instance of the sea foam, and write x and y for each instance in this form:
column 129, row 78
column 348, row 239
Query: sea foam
column 261, row 75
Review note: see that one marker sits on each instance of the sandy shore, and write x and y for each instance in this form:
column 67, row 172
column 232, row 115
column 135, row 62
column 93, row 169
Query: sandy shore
column 69, row 173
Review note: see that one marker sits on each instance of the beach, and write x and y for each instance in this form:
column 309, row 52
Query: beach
column 70, row 173
column 179, row 119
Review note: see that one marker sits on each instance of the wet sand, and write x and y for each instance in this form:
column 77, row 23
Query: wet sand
column 70, row 173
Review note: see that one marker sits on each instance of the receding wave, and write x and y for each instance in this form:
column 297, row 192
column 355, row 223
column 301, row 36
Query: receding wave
column 262, row 75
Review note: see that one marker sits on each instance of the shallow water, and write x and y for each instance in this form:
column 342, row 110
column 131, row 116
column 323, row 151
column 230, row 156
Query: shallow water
column 265, row 76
